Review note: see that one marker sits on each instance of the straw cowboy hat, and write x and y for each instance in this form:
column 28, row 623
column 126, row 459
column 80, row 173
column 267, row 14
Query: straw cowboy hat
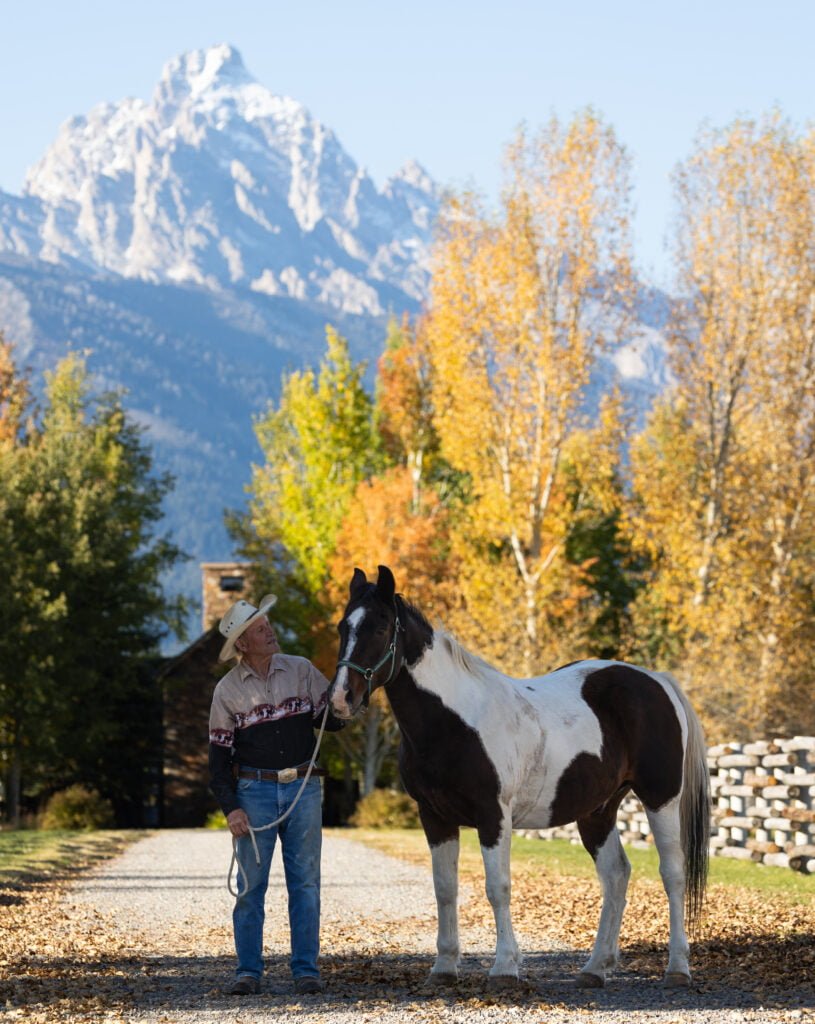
column 238, row 619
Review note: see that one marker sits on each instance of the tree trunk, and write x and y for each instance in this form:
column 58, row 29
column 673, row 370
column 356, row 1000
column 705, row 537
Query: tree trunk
column 372, row 748
column 14, row 788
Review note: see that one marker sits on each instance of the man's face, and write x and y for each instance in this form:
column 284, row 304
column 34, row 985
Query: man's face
column 259, row 640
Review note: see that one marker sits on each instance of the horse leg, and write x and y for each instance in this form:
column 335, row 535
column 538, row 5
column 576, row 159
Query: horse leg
column 443, row 840
column 496, row 868
column 667, row 834
column 602, row 840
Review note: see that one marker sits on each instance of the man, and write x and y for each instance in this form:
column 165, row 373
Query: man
column 264, row 712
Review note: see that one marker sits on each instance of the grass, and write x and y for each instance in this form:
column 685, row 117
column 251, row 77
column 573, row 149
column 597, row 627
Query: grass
column 560, row 857
column 28, row 856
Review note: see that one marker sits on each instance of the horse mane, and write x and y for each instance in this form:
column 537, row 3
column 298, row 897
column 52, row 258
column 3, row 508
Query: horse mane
column 458, row 654
column 413, row 611
column 464, row 659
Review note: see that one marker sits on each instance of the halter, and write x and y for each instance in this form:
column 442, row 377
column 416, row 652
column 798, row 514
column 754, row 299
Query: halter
column 368, row 673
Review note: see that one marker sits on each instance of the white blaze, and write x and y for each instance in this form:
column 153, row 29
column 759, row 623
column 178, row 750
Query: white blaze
column 354, row 620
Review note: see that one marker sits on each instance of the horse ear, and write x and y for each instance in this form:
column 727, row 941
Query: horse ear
column 358, row 580
column 385, row 583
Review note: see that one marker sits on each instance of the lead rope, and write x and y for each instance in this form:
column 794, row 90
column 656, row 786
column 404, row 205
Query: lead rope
column 262, row 828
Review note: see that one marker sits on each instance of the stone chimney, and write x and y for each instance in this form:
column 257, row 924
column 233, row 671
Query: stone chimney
column 223, row 583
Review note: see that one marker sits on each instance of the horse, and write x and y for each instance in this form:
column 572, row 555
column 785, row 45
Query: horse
column 488, row 751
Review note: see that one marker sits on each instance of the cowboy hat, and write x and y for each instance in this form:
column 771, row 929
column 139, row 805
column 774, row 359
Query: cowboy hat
column 238, row 619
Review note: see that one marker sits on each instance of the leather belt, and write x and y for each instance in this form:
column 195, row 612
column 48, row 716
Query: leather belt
column 269, row 775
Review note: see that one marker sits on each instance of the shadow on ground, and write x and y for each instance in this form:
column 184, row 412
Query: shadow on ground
column 200, row 983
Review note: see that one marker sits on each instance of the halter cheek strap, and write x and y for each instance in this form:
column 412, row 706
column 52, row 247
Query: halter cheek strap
column 368, row 673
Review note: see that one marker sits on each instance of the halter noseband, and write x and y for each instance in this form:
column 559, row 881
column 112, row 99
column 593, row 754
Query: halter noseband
column 368, row 673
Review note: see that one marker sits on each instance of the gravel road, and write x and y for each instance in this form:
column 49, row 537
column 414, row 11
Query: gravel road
column 163, row 911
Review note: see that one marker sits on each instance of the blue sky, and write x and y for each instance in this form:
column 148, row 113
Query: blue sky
column 444, row 82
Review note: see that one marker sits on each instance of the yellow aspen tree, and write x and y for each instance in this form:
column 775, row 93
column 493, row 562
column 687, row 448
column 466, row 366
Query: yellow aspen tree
column 520, row 303
column 784, row 438
column 722, row 475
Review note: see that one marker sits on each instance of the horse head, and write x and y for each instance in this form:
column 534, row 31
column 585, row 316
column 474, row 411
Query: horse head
column 370, row 643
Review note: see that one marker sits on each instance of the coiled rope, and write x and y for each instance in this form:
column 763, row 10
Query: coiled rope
column 262, row 828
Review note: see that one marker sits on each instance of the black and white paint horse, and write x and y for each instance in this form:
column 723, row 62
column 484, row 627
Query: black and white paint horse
column 481, row 749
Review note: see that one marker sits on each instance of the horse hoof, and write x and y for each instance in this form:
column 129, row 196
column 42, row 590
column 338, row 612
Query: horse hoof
column 441, row 979
column 588, row 980
column 501, row 982
column 676, row 979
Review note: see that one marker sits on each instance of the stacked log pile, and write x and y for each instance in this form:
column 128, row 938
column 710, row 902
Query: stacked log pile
column 764, row 800
column 763, row 796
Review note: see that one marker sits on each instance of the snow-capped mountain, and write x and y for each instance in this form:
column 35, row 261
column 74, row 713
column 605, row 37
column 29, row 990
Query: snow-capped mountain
column 218, row 182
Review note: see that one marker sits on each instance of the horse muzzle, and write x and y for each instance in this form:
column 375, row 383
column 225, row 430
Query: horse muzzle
column 340, row 701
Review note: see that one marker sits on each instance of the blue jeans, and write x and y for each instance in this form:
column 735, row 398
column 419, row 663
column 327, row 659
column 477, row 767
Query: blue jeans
column 301, row 839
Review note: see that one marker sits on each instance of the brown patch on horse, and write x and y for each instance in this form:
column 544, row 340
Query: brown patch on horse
column 642, row 751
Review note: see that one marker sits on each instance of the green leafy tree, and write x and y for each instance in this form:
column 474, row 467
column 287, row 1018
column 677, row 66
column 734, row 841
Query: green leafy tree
column 319, row 443
column 84, row 592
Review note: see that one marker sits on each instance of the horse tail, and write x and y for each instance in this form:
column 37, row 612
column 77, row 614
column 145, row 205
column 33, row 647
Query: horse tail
column 694, row 810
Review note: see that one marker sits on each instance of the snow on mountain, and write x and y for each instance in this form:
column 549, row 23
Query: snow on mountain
column 217, row 181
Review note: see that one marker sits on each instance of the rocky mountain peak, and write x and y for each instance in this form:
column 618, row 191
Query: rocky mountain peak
column 199, row 70
column 219, row 182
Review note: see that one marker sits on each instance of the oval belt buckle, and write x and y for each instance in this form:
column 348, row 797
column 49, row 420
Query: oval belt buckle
column 287, row 775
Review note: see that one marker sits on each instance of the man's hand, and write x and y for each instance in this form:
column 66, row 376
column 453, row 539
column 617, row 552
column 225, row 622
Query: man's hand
column 238, row 823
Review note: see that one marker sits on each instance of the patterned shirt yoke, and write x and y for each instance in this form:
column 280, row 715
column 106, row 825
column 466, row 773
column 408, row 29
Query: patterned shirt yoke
column 242, row 699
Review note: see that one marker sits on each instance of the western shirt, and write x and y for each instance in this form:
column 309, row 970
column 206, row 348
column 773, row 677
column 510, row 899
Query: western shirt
column 264, row 723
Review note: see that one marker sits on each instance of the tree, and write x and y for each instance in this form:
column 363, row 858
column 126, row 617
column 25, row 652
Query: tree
column 318, row 444
column 723, row 473
column 383, row 526
column 27, row 602
column 404, row 411
column 84, row 593
column 596, row 540
column 519, row 305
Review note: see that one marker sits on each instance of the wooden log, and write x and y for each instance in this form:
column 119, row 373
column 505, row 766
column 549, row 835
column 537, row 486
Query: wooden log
column 800, row 850
column 781, row 810
column 735, row 790
column 743, row 760
column 798, row 814
column 780, row 824
column 778, row 760
column 736, row 853
column 776, row 860
column 761, row 747
column 758, row 781
column 781, row 792
column 740, row 822
column 798, row 743
column 804, row 864
column 799, row 778
column 763, row 847
column 723, row 748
